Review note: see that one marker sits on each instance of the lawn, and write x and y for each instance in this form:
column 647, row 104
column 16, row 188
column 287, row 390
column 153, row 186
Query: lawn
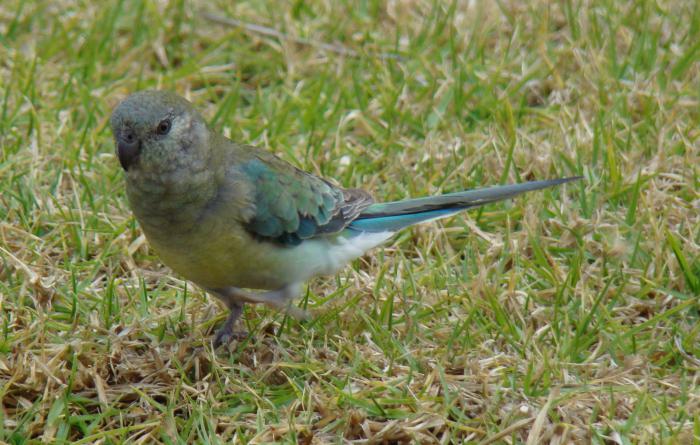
column 567, row 315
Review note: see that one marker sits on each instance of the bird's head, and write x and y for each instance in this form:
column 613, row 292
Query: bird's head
column 158, row 132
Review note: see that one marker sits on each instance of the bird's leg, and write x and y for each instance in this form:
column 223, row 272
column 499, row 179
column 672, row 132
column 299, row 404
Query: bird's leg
column 234, row 298
column 281, row 299
column 226, row 332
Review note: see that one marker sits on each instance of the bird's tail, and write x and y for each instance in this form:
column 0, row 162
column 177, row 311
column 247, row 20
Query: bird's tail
column 394, row 216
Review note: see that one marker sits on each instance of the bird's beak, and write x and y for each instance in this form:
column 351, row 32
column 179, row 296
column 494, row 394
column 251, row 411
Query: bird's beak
column 128, row 150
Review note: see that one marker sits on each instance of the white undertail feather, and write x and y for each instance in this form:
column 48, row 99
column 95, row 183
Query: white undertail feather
column 341, row 249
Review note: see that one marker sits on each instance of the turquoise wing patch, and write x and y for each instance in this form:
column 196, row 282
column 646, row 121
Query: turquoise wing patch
column 292, row 205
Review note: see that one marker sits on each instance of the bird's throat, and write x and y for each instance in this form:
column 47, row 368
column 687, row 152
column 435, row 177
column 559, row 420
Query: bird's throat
column 174, row 202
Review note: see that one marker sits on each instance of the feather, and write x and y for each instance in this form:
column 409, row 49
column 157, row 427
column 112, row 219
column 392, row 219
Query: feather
column 394, row 216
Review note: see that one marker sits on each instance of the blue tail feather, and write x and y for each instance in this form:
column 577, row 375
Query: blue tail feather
column 394, row 216
column 394, row 223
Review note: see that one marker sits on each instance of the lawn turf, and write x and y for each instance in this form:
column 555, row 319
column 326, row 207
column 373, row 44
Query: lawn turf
column 564, row 315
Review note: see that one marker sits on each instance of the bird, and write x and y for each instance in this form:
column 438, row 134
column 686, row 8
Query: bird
column 245, row 225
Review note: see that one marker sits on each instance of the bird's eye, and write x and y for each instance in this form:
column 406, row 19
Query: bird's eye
column 163, row 127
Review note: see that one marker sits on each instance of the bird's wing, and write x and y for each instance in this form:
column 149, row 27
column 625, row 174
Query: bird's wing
column 292, row 205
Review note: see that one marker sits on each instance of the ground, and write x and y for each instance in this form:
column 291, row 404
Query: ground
column 569, row 315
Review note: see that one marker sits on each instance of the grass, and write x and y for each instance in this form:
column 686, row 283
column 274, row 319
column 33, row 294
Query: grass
column 569, row 315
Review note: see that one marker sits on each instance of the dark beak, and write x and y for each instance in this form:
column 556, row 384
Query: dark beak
column 128, row 149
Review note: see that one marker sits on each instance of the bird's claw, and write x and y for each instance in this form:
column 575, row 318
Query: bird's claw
column 225, row 335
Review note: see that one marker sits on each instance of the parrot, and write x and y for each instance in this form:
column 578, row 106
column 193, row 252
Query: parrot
column 245, row 225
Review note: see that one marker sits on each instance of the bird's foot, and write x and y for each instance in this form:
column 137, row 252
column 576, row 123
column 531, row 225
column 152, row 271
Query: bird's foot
column 234, row 299
column 226, row 335
column 297, row 313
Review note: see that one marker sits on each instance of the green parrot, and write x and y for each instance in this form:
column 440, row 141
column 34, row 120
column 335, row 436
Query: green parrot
column 231, row 217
